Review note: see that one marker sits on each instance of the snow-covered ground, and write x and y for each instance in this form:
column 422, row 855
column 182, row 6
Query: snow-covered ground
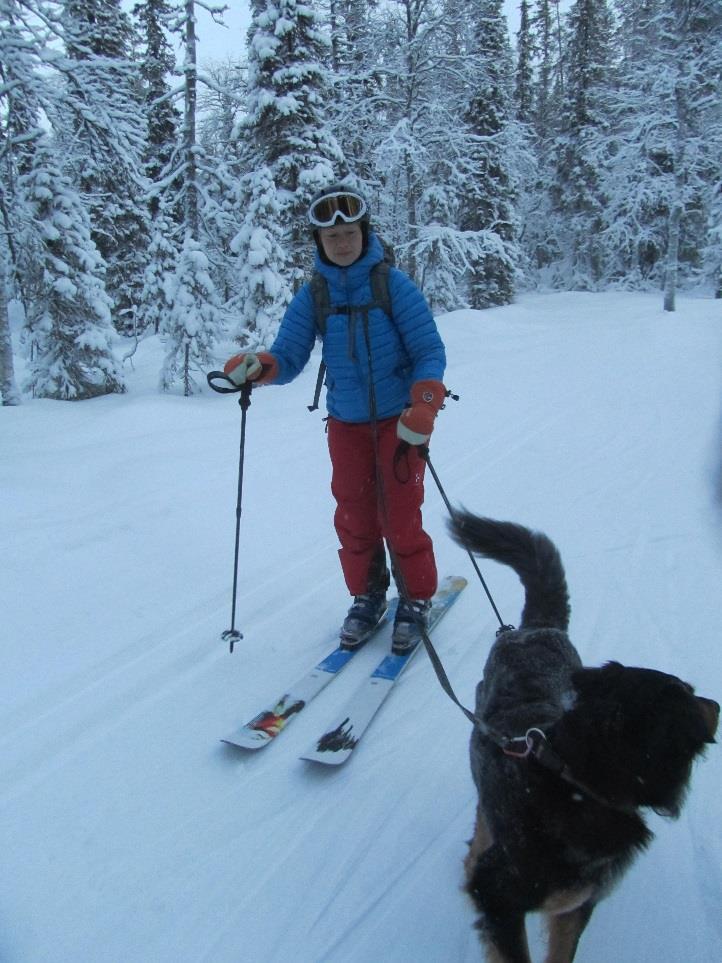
column 128, row 832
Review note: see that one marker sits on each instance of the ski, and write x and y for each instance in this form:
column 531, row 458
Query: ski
column 337, row 743
column 269, row 723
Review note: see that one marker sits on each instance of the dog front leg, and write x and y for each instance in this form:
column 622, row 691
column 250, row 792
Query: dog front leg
column 493, row 889
column 565, row 930
column 478, row 844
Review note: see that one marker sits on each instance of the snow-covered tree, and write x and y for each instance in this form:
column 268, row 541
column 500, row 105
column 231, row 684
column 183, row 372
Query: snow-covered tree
column 55, row 273
column 664, row 144
column 263, row 292
column 73, row 355
column 22, row 100
column 221, row 107
column 9, row 394
column 697, row 69
column 104, row 87
column 191, row 321
column 285, row 129
column 191, row 318
column 355, row 106
column 576, row 192
column 157, row 66
column 416, row 151
column 524, row 75
column 635, row 148
column 490, row 206
column 162, row 257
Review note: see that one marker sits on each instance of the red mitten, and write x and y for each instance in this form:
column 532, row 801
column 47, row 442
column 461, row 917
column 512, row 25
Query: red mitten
column 417, row 422
column 261, row 368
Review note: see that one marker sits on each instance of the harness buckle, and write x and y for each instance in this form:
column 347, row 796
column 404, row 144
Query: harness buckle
column 528, row 743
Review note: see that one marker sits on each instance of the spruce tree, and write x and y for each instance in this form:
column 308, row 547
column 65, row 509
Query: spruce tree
column 357, row 86
column 576, row 192
column 73, row 355
column 286, row 128
column 260, row 257
column 157, row 66
column 221, row 109
column 638, row 175
column 664, row 145
column 22, row 90
column 162, row 257
column 491, row 203
column 191, row 320
column 524, row 77
column 105, row 142
column 696, row 28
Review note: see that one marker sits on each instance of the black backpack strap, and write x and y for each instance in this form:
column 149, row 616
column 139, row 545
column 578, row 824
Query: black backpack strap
column 321, row 301
column 319, row 385
column 380, row 287
column 322, row 308
column 380, row 294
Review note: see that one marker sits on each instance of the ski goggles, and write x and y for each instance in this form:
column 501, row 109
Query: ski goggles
column 326, row 210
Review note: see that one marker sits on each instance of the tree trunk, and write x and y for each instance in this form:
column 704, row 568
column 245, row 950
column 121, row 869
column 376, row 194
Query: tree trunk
column 670, row 278
column 189, row 139
column 8, row 388
column 675, row 214
column 189, row 124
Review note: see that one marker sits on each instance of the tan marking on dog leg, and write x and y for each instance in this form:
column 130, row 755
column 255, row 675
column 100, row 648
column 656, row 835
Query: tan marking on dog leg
column 493, row 954
column 564, row 932
column 480, row 842
column 566, row 900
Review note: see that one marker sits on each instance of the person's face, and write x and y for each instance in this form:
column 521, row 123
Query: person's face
column 342, row 243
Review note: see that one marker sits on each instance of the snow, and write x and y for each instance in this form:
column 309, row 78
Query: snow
column 129, row 832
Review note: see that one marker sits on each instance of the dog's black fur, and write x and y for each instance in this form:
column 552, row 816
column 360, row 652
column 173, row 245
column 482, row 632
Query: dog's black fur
column 629, row 737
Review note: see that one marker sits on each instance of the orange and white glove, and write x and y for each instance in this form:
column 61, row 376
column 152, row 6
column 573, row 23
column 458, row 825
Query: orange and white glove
column 261, row 368
column 417, row 422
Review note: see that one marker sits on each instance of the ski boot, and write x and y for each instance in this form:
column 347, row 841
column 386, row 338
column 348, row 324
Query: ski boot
column 412, row 618
column 362, row 618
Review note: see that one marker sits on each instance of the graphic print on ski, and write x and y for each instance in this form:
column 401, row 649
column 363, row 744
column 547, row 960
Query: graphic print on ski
column 269, row 723
column 339, row 741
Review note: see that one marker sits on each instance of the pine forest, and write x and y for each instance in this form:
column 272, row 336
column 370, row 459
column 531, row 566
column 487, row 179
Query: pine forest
column 142, row 193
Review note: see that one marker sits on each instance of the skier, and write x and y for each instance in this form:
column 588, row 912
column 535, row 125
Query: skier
column 384, row 364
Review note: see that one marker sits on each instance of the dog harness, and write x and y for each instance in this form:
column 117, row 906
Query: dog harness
column 532, row 744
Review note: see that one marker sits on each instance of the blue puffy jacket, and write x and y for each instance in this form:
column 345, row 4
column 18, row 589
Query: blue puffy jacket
column 404, row 349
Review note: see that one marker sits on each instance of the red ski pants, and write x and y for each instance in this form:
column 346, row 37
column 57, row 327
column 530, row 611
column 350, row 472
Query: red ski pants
column 377, row 499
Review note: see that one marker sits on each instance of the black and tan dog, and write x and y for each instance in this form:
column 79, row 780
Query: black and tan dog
column 564, row 759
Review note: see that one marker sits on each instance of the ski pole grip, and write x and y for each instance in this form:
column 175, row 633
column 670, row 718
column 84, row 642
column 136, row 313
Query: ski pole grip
column 220, row 382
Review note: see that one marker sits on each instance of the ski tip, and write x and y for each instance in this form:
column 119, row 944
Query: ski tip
column 247, row 739
column 326, row 758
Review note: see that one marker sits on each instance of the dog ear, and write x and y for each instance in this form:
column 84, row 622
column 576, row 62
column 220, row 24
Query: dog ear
column 709, row 710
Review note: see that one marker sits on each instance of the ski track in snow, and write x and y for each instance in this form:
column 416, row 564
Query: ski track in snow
column 130, row 833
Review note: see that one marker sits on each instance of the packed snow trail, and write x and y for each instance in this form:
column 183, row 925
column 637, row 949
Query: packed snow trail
column 129, row 832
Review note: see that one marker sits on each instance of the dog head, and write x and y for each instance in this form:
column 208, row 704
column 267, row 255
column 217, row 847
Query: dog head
column 645, row 729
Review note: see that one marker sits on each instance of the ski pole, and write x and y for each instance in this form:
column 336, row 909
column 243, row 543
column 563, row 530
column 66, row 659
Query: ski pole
column 232, row 635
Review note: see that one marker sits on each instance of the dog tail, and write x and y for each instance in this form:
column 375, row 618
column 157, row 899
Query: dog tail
column 532, row 555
